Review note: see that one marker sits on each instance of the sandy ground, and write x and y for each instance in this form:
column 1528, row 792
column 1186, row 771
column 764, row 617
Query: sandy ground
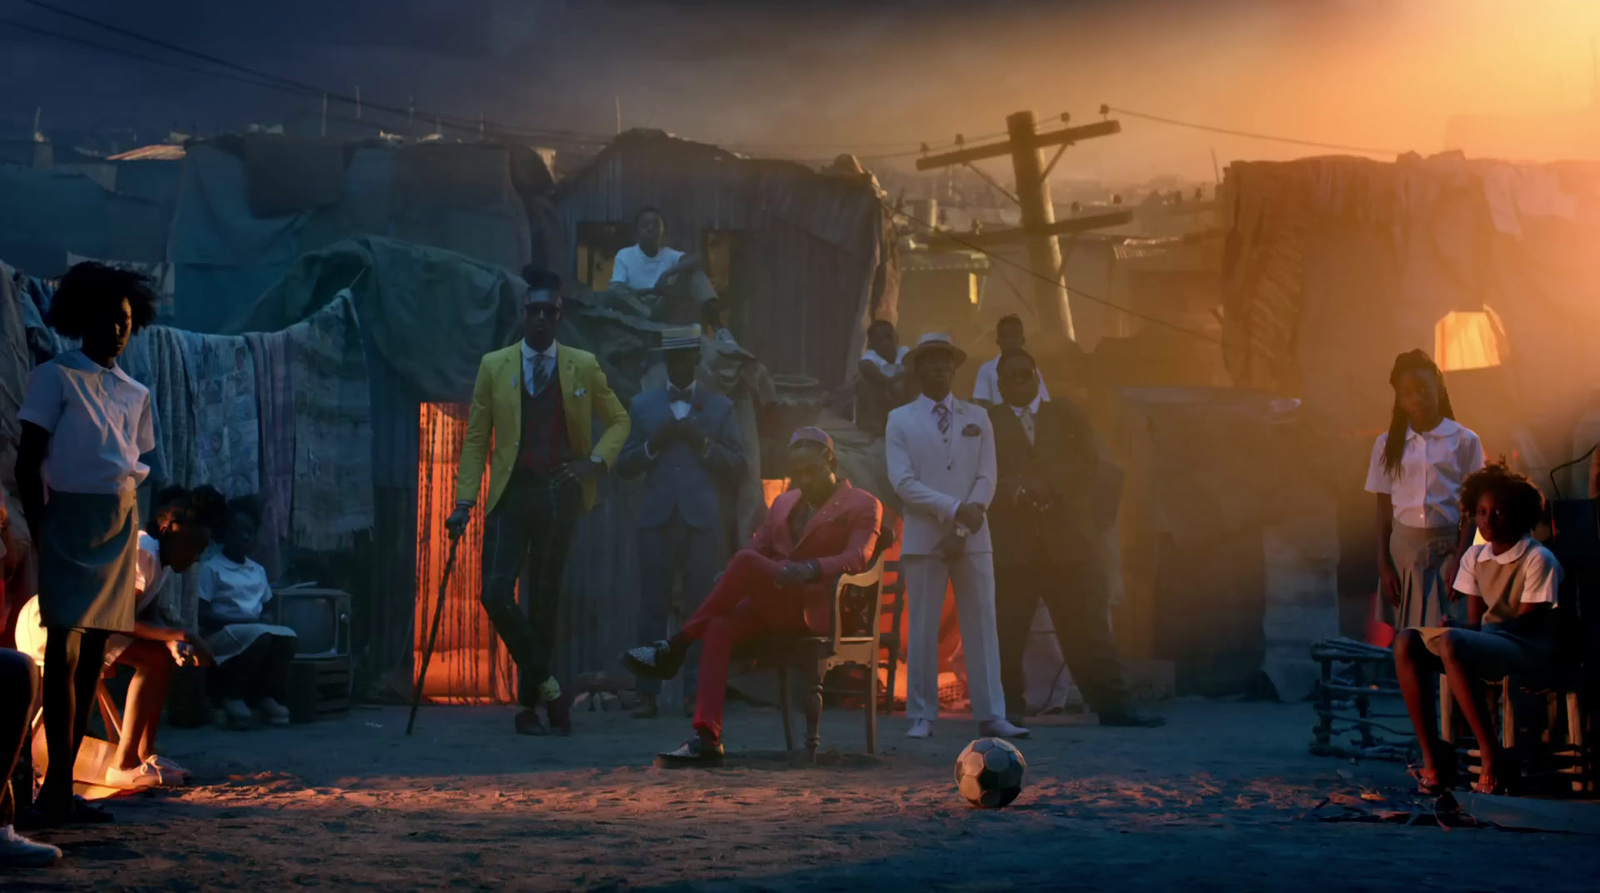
column 1223, row 799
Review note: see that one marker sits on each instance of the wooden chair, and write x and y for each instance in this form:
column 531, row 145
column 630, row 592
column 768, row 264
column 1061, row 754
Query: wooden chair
column 852, row 640
column 895, row 593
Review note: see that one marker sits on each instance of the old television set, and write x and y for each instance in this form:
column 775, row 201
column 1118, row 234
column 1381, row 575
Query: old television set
column 320, row 618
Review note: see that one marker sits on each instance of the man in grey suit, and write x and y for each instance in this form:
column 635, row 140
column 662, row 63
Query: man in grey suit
column 685, row 442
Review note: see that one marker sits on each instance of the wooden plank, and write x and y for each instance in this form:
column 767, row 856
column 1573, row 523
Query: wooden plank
column 1064, row 137
column 1081, row 223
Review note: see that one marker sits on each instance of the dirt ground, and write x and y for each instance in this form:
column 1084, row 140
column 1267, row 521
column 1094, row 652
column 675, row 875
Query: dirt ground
column 1223, row 798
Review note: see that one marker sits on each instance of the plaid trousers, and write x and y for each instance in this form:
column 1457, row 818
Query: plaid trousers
column 529, row 530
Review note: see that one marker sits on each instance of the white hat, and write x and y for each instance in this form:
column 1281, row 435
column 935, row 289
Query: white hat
column 933, row 341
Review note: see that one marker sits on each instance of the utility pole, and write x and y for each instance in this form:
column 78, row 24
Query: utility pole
column 1039, row 225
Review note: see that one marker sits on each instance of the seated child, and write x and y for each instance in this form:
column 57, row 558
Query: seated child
column 252, row 657
column 172, row 541
column 1510, row 583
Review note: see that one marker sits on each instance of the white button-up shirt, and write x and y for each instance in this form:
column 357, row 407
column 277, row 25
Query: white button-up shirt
column 1025, row 416
column 987, row 387
column 99, row 421
column 530, row 363
column 1541, row 573
column 1427, row 491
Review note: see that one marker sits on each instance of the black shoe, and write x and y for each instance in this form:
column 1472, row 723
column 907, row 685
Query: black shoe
column 528, row 722
column 560, row 713
column 694, row 753
column 1131, row 719
column 657, row 661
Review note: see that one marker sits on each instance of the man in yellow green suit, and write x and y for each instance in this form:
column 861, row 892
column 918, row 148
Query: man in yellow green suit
column 533, row 404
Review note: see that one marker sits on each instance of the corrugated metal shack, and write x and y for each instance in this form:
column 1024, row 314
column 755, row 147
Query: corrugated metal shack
column 811, row 257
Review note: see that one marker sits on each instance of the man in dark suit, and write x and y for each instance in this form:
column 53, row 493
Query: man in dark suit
column 1047, row 542
column 685, row 442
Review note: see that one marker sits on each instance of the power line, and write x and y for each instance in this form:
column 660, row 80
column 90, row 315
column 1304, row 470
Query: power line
column 456, row 122
column 1365, row 150
column 1075, row 292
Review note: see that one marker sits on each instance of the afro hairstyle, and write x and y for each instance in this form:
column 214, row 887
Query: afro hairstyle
column 1514, row 493
column 91, row 291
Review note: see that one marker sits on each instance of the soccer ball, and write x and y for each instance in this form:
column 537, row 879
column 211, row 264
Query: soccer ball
column 989, row 772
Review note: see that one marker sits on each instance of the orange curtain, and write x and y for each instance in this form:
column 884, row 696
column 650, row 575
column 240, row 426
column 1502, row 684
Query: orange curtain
column 469, row 664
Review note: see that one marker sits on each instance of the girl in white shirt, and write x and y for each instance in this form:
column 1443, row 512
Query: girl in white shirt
column 85, row 424
column 252, row 657
column 1416, row 471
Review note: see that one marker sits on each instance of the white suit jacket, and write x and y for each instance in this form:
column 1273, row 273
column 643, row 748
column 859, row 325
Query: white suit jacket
column 934, row 474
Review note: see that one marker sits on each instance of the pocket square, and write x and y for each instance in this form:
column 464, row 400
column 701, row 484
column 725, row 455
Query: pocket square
column 972, row 430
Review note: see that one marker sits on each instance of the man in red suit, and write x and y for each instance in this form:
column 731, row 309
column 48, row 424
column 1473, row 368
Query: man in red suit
column 782, row 582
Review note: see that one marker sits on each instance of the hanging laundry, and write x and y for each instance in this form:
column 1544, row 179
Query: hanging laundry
column 333, row 429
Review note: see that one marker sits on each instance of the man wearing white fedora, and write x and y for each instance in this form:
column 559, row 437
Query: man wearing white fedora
column 942, row 463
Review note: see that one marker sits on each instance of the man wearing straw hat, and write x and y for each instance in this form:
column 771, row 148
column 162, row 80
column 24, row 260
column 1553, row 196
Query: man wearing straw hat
column 941, row 460
column 685, row 442
column 534, row 404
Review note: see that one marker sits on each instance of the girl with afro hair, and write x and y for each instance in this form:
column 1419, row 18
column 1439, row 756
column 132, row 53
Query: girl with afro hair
column 85, row 424
column 1509, row 584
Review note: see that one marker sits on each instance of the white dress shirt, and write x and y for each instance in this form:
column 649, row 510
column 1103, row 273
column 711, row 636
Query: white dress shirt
column 1025, row 416
column 531, row 359
column 884, row 366
column 1541, row 573
column 680, row 411
column 236, row 591
column 99, row 421
column 1427, row 491
column 987, row 387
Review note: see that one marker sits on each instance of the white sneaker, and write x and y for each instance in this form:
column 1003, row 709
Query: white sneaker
column 1001, row 728
column 236, row 714
column 170, row 773
column 920, row 728
column 17, row 851
column 143, row 775
column 276, row 713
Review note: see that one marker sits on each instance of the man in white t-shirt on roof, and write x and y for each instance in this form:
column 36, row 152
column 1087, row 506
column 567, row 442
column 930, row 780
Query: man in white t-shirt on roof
column 1008, row 334
column 649, row 267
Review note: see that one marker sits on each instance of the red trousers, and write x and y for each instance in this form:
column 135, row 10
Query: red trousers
column 744, row 603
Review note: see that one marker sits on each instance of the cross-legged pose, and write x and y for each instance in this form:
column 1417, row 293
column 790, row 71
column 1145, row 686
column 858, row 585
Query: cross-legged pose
column 534, row 402
column 941, row 461
column 782, row 582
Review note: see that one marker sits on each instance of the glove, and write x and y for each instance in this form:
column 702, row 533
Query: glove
column 456, row 524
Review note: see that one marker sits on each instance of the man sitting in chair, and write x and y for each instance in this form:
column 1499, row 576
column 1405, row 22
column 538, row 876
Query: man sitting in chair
column 783, row 582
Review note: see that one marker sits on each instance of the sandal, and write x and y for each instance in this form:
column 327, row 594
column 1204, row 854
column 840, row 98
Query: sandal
column 1437, row 782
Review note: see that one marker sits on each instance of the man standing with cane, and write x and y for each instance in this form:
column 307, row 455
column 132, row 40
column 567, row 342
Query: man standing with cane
column 534, row 402
column 941, row 462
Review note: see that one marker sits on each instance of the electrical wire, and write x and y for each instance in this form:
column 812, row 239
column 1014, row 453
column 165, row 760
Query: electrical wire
column 289, row 84
column 1074, row 292
column 1365, row 150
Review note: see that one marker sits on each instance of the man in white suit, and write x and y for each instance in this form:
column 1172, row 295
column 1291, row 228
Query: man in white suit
column 941, row 460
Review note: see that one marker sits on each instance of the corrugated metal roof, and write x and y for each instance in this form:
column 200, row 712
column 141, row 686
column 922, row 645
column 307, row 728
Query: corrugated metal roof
column 817, row 254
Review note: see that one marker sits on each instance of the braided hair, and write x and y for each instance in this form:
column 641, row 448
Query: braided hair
column 1395, row 446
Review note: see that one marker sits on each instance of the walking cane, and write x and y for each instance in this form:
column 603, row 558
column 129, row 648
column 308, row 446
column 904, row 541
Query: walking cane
column 433, row 634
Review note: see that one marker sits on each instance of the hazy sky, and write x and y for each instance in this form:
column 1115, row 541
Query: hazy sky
column 810, row 79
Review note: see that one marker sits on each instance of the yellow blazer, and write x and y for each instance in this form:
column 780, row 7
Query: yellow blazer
column 496, row 418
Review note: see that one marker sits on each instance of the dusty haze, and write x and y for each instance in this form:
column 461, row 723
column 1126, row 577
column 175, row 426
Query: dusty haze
column 807, row 80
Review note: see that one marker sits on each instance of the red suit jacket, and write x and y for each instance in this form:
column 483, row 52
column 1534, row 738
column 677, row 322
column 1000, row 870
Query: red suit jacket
column 841, row 536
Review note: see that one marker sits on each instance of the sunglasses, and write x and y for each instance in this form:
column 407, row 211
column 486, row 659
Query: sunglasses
column 1020, row 375
column 548, row 311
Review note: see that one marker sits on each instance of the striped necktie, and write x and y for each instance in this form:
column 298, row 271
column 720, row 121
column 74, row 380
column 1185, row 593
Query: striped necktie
column 942, row 413
column 541, row 373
